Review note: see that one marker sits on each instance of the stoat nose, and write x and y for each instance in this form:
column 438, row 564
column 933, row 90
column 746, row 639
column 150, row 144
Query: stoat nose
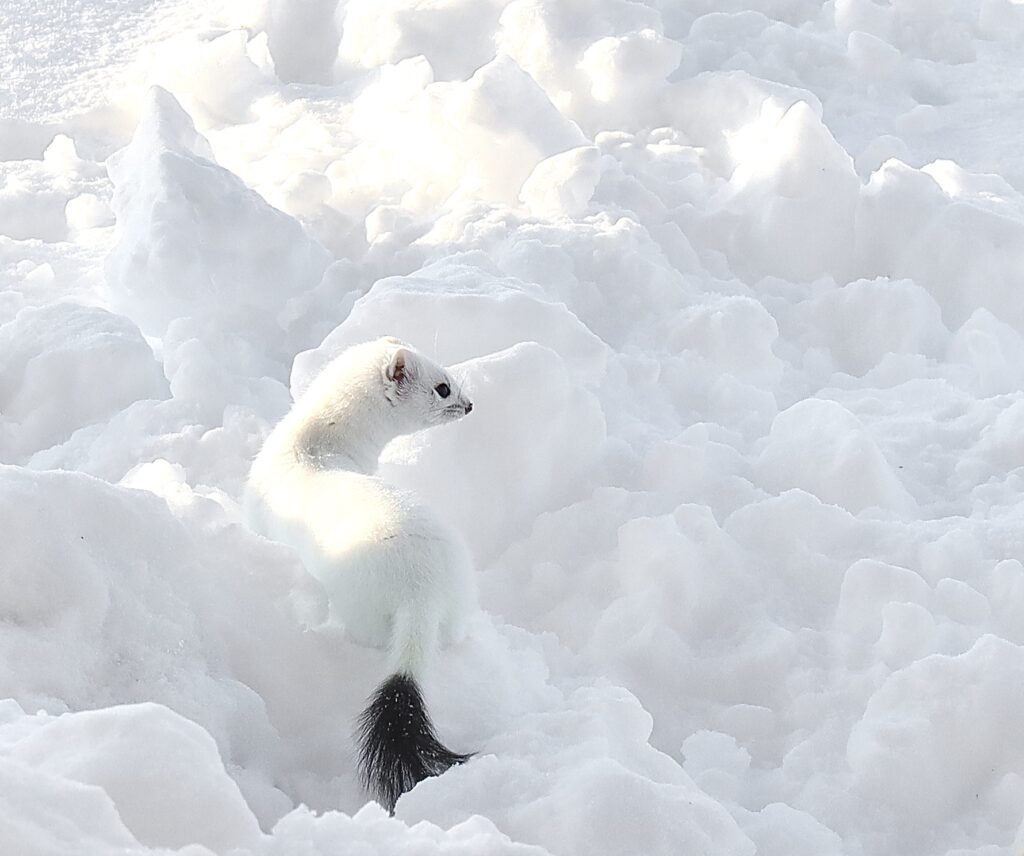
column 469, row 406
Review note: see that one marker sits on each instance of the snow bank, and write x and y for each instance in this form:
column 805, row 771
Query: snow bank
column 734, row 289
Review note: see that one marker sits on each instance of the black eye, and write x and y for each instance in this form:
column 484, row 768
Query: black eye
column 443, row 390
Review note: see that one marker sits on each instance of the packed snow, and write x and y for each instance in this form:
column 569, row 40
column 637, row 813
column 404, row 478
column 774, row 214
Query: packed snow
column 736, row 290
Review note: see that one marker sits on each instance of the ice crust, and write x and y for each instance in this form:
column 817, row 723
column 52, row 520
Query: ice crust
column 735, row 288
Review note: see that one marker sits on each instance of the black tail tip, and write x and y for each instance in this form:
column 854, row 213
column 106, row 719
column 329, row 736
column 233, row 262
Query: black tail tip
column 397, row 744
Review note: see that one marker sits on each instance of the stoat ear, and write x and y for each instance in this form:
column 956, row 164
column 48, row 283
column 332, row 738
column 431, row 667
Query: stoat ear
column 398, row 368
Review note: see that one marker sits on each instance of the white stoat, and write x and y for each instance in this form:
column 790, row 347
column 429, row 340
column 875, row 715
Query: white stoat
column 395, row 575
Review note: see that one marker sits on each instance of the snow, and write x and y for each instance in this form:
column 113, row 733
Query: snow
column 161, row 771
column 735, row 289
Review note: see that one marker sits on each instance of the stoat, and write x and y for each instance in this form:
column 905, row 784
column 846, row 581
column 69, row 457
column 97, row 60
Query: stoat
column 395, row 575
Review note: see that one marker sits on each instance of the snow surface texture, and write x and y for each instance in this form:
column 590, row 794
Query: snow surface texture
column 736, row 289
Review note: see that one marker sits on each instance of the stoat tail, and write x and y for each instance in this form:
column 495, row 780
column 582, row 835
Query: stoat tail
column 397, row 743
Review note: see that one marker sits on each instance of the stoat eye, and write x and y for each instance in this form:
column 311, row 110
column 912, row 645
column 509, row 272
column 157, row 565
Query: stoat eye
column 443, row 390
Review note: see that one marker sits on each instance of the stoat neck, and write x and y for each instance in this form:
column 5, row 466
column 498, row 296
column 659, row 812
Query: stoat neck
column 348, row 438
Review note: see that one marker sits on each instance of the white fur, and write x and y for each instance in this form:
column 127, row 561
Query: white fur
column 395, row 575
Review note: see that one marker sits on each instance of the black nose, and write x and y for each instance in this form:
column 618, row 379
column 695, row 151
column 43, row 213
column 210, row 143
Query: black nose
column 469, row 406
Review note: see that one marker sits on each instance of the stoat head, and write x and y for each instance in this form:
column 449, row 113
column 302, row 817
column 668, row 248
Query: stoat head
column 421, row 392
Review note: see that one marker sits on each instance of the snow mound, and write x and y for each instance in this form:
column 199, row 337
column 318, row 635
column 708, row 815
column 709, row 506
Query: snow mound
column 528, row 409
column 458, row 309
column 563, row 184
column 64, row 366
column 791, row 178
column 821, row 447
column 98, row 615
column 194, row 241
column 162, row 772
column 569, row 798
column 944, row 713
